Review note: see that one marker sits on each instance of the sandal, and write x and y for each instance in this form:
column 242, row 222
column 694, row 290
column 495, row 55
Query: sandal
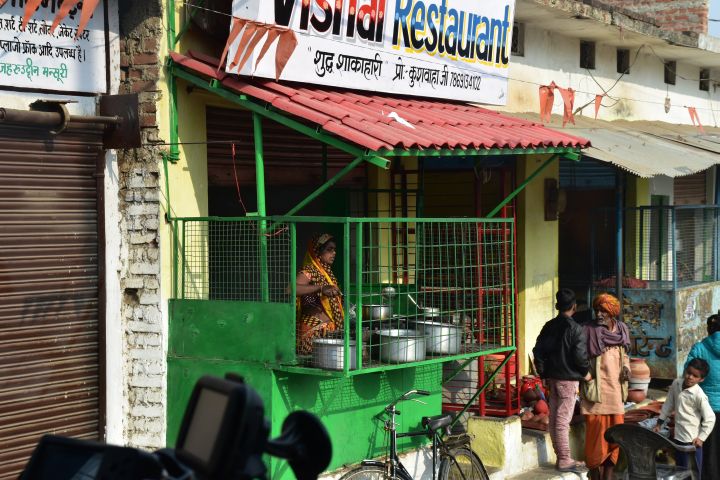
column 576, row 467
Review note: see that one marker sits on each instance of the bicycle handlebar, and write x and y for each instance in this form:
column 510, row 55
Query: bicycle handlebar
column 406, row 396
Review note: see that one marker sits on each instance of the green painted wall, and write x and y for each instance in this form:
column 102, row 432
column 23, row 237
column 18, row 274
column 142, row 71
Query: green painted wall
column 225, row 330
column 214, row 338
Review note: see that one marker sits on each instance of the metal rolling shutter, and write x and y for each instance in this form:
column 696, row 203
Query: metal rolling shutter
column 690, row 189
column 49, row 289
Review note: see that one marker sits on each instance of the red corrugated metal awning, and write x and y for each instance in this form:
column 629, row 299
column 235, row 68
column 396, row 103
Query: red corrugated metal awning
column 381, row 122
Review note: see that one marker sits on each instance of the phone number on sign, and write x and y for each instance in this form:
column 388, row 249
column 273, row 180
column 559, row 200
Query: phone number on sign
column 465, row 81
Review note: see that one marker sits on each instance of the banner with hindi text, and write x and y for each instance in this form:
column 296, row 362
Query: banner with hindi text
column 452, row 49
column 35, row 58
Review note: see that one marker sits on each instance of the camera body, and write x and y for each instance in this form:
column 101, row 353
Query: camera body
column 224, row 435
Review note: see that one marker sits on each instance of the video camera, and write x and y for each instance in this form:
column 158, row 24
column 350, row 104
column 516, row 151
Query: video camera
column 223, row 435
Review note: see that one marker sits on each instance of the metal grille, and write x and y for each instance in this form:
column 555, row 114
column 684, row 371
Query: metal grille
column 244, row 260
column 663, row 247
column 445, row 285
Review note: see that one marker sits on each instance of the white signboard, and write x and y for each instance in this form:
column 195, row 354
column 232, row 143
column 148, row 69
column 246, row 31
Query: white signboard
column 39, row 60
column 454, row 49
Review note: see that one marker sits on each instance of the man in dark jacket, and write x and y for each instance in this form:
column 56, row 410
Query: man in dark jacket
column 561, row 359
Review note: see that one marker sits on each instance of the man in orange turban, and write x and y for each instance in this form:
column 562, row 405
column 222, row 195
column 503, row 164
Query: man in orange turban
column 603, row 397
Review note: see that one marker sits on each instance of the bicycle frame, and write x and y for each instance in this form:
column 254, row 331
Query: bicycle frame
column 393, row 466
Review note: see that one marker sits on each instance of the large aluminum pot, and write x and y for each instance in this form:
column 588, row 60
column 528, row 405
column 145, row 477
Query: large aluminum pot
column 329, row 353
column 440, row 338
column 376, row 312
column 400, row 346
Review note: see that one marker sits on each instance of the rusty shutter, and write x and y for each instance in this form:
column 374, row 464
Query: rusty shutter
column 49, row 289
column 690, row 189
column 290, row 158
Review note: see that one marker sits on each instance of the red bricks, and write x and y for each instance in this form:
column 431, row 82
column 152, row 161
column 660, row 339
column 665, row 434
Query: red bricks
column 673, row 15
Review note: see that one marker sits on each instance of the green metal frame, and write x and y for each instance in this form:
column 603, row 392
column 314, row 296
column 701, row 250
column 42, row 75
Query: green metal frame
column 181, row 243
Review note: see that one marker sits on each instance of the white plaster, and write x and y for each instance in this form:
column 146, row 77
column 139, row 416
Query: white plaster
column 114, row 371
column 662, row 185
column 550, row 56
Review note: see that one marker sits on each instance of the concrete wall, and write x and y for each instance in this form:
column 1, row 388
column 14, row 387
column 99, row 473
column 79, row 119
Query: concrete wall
column 537, row 255
column 641, row 93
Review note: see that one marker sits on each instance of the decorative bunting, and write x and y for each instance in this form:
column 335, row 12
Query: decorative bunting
column 30, row 7
column 547, row 96
column 286, row 46
column 568, row 96
column 247, row 33
column 259, row 34
column 598, row 103
column 696, row 118
column 237, row 26
column 253, row 34
column 65, row 8
column 273, row 34
column 88, row 8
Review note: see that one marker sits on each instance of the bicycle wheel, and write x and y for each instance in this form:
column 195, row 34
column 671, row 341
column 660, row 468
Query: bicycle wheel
column 462, row 464
column 369, row 472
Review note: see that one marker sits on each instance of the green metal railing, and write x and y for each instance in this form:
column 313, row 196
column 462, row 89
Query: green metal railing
column 451, row 283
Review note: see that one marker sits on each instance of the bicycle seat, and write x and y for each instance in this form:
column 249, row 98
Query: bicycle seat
column 436, row 422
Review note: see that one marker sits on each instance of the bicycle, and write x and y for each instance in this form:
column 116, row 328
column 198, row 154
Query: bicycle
column 457, row 460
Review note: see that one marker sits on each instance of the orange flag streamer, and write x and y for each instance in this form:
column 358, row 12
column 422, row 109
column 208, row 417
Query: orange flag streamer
column 88, row 8
column 62, row 13
column 547, row 96
column 273, row 34
column 568, row 96
column 257, row 36
column 247, row 34
column 30, row 7
column 695, row 117
column 598, row 102
column 237, row 26
column 286, row 46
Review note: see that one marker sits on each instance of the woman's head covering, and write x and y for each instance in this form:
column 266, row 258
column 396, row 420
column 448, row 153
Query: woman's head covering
column 321, row 273
column 608, row 304
column 318, row 242
column 315, row 248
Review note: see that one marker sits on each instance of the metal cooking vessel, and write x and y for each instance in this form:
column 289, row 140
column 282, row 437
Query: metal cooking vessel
column 431, row 312
column 329, row 353
column 440, row 338
column 400, row 346
column 376, row 312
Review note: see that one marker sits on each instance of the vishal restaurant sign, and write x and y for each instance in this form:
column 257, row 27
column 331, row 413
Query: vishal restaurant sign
column 454, row 49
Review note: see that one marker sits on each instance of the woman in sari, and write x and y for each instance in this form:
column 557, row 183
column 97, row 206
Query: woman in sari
column 603, row 397
column 319, row 304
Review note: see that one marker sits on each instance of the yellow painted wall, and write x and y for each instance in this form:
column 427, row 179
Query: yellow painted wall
column 637, row 193
column 187, row 178
column 379, row 204
column 537, row 256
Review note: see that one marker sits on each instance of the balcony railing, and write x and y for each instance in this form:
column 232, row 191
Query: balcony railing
column 414, row 290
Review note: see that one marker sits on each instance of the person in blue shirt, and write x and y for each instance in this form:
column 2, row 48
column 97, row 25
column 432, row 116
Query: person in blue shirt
column 709, row 350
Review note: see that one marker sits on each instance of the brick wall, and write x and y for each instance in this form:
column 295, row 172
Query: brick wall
column 144, row 368
column 673, row 15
